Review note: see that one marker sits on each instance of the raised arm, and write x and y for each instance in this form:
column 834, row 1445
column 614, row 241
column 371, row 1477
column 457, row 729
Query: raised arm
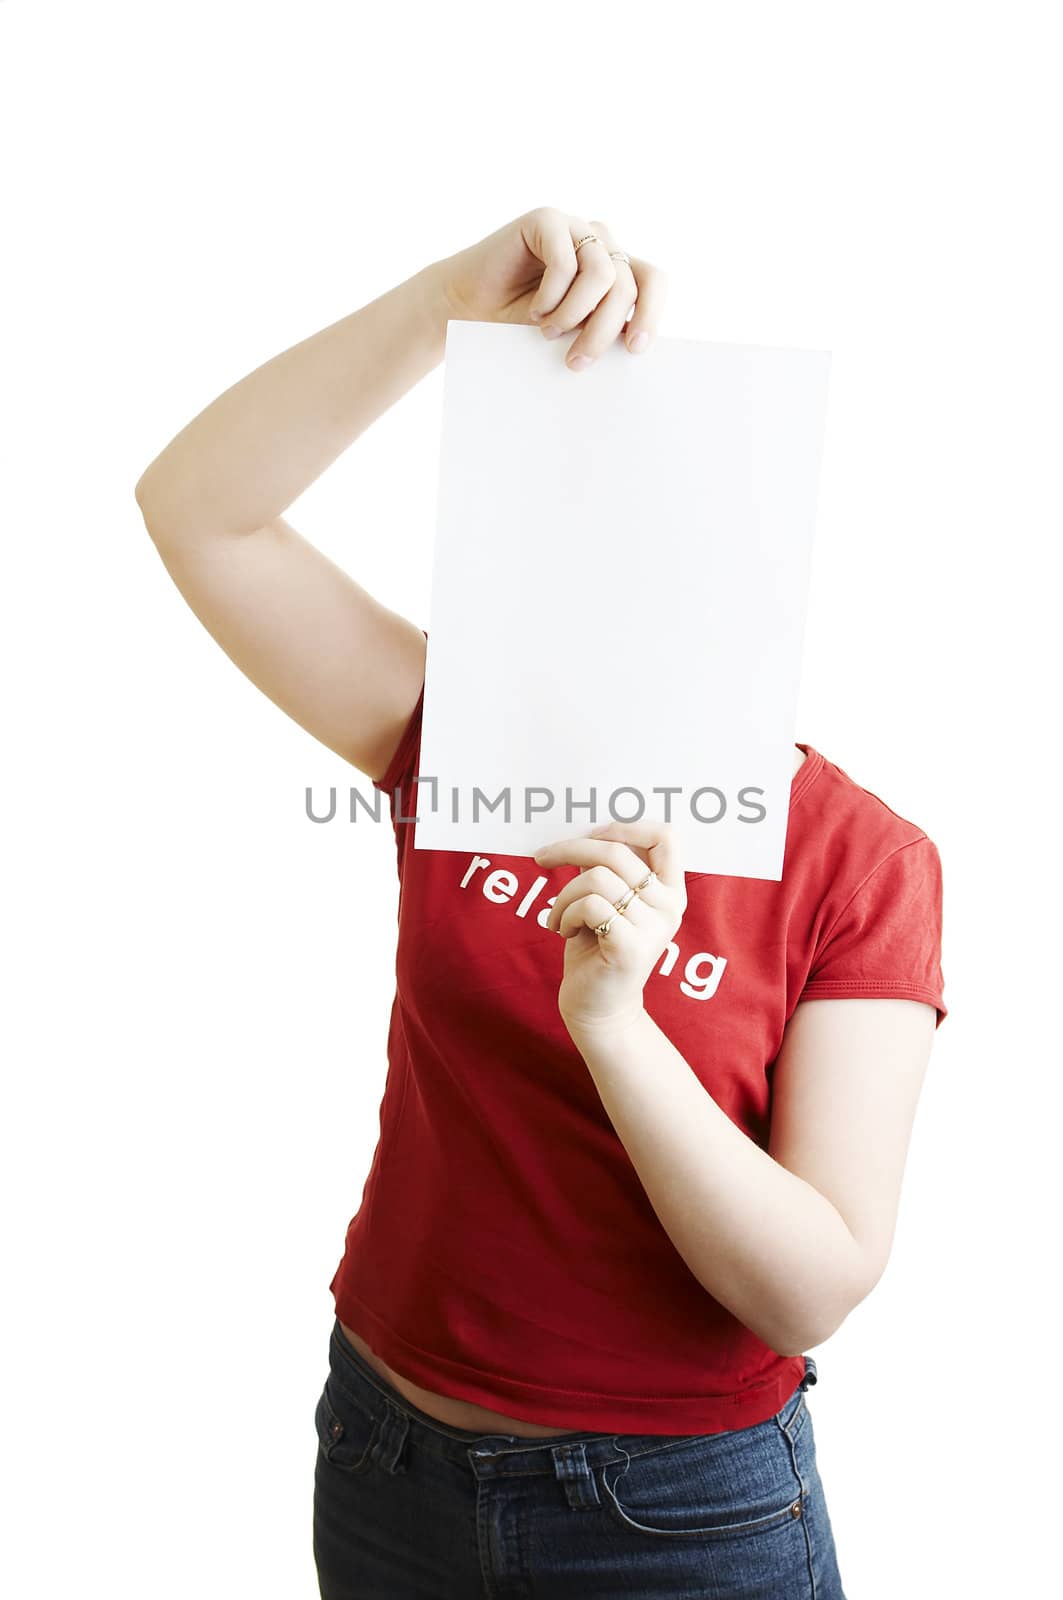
column 343, row 665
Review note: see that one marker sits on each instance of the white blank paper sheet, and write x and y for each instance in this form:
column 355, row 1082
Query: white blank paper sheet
column 618, row 594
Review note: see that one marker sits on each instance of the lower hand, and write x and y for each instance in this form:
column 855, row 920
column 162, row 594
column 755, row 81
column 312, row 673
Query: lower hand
column 605, row 974
column 529, row 271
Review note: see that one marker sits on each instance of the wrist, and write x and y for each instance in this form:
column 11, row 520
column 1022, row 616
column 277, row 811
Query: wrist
column 600, row 1034
column 437, row 297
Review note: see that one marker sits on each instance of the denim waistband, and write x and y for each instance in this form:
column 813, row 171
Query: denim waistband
column 498, row 1454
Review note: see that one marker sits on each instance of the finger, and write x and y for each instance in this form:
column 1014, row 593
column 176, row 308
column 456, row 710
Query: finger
column 645, row 296
column 606, row 322
column 603, row 325
column 658, row 840
column 595, row 851
column 594, row 278
column 651, row 287
column 547, row 234
column 602, row 881
column 588, row 912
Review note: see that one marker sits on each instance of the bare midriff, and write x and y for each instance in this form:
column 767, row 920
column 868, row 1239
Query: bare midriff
column 443, row 1407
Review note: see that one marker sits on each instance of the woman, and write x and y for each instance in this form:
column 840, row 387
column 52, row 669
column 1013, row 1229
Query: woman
column 623, row 1180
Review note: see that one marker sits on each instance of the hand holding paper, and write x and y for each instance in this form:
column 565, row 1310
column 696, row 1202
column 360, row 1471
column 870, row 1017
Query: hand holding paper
column 561, row 272
column 616, row 916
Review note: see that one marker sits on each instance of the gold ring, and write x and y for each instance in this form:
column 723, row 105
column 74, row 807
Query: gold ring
column 620, row 905
column 587, row 238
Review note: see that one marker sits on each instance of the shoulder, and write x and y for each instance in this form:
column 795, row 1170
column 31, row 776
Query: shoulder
column 852, row 828
column 868, row 885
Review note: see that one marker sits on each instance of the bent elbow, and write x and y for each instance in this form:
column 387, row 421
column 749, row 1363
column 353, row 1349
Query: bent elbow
column 161, row 526
column 140, row 488
column 796, row 1341
column 820, row 1323
column 143, row 500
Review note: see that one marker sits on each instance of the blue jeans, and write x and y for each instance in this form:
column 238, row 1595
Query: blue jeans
column 405, row 1506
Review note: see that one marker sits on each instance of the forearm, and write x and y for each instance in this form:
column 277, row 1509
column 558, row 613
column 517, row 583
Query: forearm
column 254, row 450
column 761, row 1240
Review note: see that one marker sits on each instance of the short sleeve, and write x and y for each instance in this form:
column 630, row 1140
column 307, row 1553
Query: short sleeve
column 885, row 942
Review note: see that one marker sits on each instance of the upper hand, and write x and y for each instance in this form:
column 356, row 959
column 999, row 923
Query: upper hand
column 529, row 271
column 605, row 975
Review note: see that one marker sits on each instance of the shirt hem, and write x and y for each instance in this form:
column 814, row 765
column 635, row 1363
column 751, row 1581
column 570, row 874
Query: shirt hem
column 875, row 988
column 570, row 1408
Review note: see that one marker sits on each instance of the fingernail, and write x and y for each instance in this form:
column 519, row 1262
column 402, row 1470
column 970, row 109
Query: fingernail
column 579, row 362
column 550, row 332
column 639, row 342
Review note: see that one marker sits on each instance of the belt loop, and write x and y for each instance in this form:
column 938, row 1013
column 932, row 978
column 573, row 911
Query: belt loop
column 810, row 1373
column 571, row 1469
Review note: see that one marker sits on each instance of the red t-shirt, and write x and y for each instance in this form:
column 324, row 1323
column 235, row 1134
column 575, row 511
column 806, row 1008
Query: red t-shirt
column 505, row 1251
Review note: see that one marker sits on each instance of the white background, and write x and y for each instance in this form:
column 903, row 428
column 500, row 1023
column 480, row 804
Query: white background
column 199, row 980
